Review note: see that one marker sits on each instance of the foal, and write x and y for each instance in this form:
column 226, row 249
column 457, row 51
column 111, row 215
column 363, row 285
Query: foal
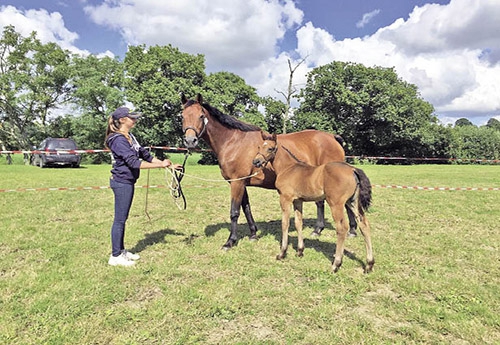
column 340, row 184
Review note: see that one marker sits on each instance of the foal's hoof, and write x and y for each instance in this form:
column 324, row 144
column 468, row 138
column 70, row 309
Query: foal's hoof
column 336, row 266
column 316, row 233
column 369, row 267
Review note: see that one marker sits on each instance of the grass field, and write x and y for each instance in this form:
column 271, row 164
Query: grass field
column 436, row 278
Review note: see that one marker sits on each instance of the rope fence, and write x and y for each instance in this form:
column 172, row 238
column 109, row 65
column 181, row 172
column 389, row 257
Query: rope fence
column 173, row 149
column 51, row 189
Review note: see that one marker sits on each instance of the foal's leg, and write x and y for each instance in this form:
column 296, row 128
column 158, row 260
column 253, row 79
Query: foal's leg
column 285, row 223
column 364, row 226
column 341, row 227
column 297, row 206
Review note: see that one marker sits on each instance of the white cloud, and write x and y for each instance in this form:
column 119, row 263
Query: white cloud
column 453, row 62
column 451, row 52
column 49, row 26
column 236, row 34
column 367, row 17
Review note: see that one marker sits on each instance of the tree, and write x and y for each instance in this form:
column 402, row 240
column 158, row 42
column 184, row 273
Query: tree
column 494, row 124
column 231, row 95
column 33, row 83
column 462, row 122
column 98, row 90
column 375, row 111
column 154, row 77
column 289, row 94
column 471, row 142
column 274, row 110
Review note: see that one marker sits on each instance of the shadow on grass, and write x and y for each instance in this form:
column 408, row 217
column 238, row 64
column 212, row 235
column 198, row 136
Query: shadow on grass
column 273, row 228
column 153, row 238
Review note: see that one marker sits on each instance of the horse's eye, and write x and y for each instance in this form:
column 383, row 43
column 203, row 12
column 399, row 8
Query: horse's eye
column 270, row 150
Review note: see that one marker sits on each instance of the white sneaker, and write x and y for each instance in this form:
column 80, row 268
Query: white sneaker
column 130, row 256
column 120, row 260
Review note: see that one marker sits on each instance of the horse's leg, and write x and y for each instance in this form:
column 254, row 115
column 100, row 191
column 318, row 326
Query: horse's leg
column 341, row 227
column 352, row 222
column 364, row 226
column 320, row 220
column 237, row 192
column 285, row 223
column 245, row 205
column 297, row 206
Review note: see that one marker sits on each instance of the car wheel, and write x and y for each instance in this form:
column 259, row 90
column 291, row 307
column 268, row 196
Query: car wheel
column 40, row 163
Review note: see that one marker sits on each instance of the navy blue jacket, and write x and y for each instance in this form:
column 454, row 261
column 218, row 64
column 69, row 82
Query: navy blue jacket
column 126, row 168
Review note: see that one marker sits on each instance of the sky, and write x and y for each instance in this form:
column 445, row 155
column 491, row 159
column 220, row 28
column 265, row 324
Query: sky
column 450, row 49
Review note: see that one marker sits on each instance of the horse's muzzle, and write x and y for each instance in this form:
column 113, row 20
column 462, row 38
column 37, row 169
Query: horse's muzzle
column 257, row 162
column 191, row 142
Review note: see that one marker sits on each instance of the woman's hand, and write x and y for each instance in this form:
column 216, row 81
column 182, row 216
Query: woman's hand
column 167, row 163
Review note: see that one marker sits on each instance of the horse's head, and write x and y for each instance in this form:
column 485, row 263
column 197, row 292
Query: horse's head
column 267, row 151
column 194, row 120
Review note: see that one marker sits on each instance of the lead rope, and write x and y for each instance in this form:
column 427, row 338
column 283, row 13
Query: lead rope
column 175, row 184
column 175, row 187
column 146, row 202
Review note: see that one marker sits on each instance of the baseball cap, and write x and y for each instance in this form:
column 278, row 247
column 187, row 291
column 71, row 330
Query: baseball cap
column 125, row 112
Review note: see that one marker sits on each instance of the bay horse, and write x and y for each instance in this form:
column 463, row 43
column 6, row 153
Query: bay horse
column 339, row 183
column 235, row 144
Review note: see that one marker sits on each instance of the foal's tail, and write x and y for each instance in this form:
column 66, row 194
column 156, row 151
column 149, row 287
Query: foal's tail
column 365, row 191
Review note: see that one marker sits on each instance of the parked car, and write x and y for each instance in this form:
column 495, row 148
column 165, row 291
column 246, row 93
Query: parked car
column 56, row 158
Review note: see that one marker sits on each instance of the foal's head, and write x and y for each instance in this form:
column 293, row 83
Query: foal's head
column 267, row 151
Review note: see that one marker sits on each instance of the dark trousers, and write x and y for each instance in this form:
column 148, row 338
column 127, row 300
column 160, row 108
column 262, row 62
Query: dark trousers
column 124, row 193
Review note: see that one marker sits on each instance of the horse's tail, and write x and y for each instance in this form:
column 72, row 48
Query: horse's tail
column 365, row 191
column 339, row 139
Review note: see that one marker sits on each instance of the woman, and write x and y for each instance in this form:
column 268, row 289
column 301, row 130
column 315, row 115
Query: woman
column 129, row 158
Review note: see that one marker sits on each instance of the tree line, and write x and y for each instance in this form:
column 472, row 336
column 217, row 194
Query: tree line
column 45, row 91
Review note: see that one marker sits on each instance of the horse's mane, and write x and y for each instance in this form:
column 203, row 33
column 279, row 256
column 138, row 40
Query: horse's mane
column 228, row 121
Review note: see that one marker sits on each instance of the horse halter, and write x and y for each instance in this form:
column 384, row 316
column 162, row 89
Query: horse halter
column 204, row 120
column 271, row 154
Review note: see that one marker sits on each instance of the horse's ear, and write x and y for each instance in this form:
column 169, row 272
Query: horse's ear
column 265, row 135
column 274, row 137
column 199, row 98
column 184, row 99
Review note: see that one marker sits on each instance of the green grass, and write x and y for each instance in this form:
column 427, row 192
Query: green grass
column 436, row 278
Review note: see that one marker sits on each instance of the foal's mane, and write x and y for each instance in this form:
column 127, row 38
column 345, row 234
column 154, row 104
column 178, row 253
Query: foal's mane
column 294, row 156
column 228, row 121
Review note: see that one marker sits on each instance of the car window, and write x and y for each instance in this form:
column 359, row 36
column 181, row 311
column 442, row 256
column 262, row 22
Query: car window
column 61, row 145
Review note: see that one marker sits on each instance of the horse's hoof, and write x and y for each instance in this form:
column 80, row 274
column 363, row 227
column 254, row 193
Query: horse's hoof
column 300, row 253
column 253, row 238
column 280, row 257
column 228, row 246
